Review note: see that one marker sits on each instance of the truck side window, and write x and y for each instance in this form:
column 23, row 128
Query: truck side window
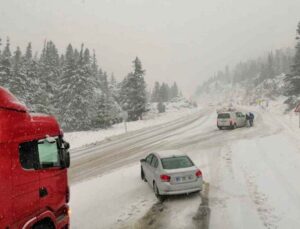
column 27, row 154
column 48, row 153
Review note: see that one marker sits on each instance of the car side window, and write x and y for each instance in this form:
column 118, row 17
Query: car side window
column 27, row 154
column 149, row 159
column 154, row 162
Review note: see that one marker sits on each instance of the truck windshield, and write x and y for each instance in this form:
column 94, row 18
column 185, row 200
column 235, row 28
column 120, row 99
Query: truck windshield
column 48, row 154
column 224, row 115
column 176, row 162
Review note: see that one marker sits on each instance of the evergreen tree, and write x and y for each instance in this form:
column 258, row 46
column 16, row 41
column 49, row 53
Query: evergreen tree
column 293, row 79
column 133, row 92
column 48, row 74
column 174, row 91
column 18, row 82
column 155, row 96
column 164, row 93
column 31, row 85
column 5, row 66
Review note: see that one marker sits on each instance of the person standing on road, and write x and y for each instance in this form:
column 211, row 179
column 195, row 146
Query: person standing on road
column 247, row 119
column 251, row 118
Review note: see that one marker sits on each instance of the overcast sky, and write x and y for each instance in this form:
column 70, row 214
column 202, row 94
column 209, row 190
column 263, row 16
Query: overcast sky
column 182, row 40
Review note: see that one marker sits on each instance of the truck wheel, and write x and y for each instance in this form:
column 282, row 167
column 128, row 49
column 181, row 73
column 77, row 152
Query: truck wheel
column 44, row 225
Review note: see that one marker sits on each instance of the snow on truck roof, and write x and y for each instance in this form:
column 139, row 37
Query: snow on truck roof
column 17, row 124
column 9, row 101
column 169, row 153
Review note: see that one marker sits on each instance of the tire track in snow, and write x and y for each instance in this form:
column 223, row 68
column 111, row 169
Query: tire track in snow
column 157, row 215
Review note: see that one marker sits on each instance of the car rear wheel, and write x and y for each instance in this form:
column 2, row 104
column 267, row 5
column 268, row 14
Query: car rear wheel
column 143, row 175
column 156, row 192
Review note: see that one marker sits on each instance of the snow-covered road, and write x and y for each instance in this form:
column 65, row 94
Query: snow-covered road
column 251, row 177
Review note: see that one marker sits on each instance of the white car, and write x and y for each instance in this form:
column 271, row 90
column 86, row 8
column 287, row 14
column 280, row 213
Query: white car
column 231, row 120
column 171, row 172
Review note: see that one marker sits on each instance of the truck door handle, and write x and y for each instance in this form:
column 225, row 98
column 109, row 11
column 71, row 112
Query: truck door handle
column 43, row 192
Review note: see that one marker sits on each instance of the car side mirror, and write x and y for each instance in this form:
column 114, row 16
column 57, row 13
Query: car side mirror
column 143, row 160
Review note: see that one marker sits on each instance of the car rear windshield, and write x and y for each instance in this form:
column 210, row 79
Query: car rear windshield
column 176, row 162
column 224, row 115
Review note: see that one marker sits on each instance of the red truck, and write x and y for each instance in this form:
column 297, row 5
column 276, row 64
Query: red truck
column 34, row 158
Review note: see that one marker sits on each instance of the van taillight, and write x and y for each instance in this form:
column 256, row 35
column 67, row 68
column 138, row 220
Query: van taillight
column 231, row 122
column 198, row 173
column 165, row 178
column 68, row 194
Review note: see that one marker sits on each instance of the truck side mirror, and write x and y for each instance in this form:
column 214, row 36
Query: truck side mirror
column 66, row 158
column 143, row 160
column 66, row 145
column 66, row 154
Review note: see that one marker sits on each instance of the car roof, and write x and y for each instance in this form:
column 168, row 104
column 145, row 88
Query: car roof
column 169, row 153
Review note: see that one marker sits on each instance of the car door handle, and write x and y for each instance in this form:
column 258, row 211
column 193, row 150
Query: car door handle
column 43, row 192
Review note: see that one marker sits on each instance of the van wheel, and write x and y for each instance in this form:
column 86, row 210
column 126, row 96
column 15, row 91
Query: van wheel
column 143, row 175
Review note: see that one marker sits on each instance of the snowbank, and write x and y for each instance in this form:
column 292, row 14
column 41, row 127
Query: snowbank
column 174, row 110
column 110, row 200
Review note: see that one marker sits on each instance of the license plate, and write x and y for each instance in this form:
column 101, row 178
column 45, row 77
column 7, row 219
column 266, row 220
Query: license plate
column 182, row 179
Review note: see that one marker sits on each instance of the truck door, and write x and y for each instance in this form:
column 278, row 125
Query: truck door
column 5, row 187
column 25, row 183
column 53, row 179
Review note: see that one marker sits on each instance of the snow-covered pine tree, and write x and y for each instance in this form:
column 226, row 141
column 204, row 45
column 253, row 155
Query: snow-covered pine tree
column 5, row 66
column 67, row 87
column 155, row 96
column 31, row 85
column 78, row 84
column 174, row 90
column 293, row 79
column 164, row 92
column 18, row 82
column 133, row 92
column 48, row 73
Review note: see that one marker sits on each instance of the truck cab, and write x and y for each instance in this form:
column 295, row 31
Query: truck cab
column 34, row 158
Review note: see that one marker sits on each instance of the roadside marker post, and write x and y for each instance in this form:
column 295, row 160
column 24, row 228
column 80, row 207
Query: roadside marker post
column 297, row 110
column 125, row 117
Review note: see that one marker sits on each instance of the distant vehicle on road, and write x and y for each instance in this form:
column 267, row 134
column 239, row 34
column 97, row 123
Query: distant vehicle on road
column 170, row 173
column 231, row 120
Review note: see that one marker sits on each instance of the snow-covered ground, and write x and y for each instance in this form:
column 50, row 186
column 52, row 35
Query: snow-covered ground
column 107, row 201
column 173, row 111
column 252, row 175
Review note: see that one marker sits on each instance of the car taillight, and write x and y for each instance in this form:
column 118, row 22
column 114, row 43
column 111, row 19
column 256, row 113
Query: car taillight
column 68, row 194
column 198, row 173
column 165, row 178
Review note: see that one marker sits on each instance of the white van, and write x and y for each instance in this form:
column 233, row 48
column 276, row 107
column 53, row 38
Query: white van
column 231, row 120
